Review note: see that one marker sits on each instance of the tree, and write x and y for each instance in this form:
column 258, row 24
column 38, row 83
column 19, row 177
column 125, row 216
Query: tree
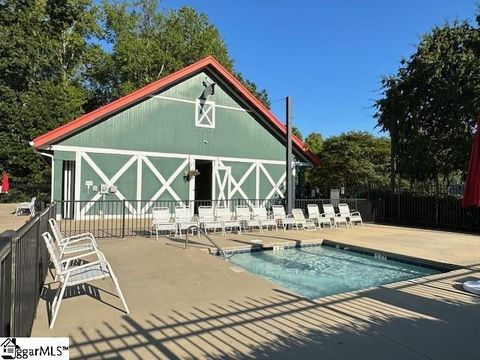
column 352, row 160
column 42, row 47
column 429, row 107
column 314, row 142
column 297, row 133
column 147, row 45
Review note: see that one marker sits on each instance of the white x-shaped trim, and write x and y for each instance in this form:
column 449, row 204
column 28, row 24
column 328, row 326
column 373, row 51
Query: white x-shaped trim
column 223, row 182
column 237, row 185
column 107, row 181
column 276, row 186
column 165, row 183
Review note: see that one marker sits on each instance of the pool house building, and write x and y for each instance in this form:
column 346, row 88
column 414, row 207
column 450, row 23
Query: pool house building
column 197, row 134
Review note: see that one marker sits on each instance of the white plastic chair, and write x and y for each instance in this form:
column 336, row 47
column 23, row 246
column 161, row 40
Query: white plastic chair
column 353, row 217
column 280, row 216
column 184, row 219
column 72, row 244
column 207, row 221
column 300, row 220
column 70, row 275
column 30, row 206
column 244, row 215
column 337, row 218
column 260, row 213
column 225, row 216
column 316, row 217
column 162, row 221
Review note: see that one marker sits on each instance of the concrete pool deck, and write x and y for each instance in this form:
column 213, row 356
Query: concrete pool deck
column 8, row 221
column 189, row 304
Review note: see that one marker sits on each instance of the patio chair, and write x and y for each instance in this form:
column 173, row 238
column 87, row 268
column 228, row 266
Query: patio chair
column 299, row 218
column 184, row 219
column 70, row 275
column 225, row 216
column 337, row 218
column 280, row 216
column 353, row 217
column 244, row 215
column 316, row 217
column 162, row 221
column 260, row 213
column 22, row 207
column 72, row 244
column 207, row 220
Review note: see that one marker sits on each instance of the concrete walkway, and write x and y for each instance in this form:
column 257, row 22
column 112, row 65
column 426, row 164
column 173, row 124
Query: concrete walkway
column 187, row 304
column 8, row 221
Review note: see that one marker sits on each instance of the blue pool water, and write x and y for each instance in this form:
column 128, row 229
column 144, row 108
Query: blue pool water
column 320, row 271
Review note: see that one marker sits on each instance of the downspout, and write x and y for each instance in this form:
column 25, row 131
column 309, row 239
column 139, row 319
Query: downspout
column 53, row 168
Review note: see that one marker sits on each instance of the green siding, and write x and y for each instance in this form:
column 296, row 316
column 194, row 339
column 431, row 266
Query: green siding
column 57, row 180
column 160, row 125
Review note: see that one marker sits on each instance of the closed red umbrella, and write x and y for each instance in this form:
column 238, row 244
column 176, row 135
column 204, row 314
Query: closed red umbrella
column 5, row 183
column 471, row 194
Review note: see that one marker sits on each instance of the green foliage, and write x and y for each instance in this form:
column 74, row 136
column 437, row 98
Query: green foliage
column 297, row 133
column 429, row 107
column 147, row 45
column 352, row 160
column 42, row 47
column 314, row 142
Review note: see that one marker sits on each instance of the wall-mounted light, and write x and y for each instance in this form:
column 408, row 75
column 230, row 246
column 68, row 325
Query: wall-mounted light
column 209, row 87
column 191, row 174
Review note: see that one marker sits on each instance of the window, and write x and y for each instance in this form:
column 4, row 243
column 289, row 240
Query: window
column 205, row 113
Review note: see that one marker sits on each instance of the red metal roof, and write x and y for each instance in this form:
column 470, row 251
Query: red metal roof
column 127, row 100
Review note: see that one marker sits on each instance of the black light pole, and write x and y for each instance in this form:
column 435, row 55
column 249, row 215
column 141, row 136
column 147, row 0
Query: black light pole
column 289, row 180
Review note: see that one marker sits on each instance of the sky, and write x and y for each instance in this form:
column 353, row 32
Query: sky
column 329, row 56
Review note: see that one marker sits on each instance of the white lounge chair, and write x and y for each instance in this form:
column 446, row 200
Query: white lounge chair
column 280, row 216
column 22, row 207
column 301, row 221
column 72, row 244
column 184, row 219
column 224, row 215
column 207, row 220
column 337, row 218
column 472, row 286
column 244, row 215
column 70, row 275
column 162, row 221
column 316, row 217
column 260, row 213
column 353, row 217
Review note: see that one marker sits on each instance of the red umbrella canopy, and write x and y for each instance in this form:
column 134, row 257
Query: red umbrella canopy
column 5, row 183
column 471, row 194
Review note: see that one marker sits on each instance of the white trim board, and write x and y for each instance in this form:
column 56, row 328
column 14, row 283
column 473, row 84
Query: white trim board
column 159, row 154
column 194, row 101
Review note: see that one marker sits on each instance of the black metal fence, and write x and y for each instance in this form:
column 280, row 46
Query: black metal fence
column 419, row 207
column 429, row 209
column 24, row 262
column 120, row 218
column 117, row 218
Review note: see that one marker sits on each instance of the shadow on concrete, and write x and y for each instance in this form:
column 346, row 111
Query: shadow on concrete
column 417, row 319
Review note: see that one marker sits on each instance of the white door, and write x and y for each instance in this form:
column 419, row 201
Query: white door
column 68, row 184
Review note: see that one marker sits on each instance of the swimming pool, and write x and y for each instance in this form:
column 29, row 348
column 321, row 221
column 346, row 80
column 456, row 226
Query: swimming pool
column 320, row 271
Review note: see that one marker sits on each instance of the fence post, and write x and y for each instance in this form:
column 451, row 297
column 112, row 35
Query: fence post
column 13, row 287
column 123, row 218
column 398, row 206
column 437, row 190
